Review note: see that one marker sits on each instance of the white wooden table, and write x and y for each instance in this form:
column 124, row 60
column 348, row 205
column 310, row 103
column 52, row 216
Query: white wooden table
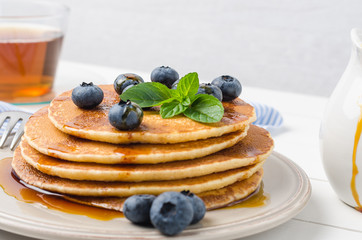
column 325, row 216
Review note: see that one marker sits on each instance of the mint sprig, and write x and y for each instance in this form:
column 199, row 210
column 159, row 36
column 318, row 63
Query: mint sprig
column 188, row 85
column 201, row 107
column 171, row 109
column 205, row 108
column 148, row 94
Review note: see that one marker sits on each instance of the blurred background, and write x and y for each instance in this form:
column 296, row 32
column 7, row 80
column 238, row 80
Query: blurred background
column 287, row 45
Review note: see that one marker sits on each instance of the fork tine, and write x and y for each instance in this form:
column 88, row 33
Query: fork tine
column 19, row 133
column 7, row 131
column 17, row 138
column 3, row 117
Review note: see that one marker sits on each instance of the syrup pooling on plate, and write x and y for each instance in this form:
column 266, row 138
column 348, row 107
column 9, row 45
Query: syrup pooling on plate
column 257, row 199
column 13, row 187
column 354, row 163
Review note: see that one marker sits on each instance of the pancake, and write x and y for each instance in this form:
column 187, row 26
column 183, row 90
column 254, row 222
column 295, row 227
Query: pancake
column 41, row 134
column 94, row 125
column 213, row 199
column 123, row 189
column 254, row 148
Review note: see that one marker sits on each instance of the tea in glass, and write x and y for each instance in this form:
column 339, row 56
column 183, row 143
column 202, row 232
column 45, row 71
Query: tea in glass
column 30, row 45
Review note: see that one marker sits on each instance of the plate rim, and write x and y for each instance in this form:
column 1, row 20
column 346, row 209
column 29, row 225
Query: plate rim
column 242, row 228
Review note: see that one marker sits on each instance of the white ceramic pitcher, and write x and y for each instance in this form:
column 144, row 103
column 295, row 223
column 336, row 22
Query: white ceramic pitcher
column 341, row 146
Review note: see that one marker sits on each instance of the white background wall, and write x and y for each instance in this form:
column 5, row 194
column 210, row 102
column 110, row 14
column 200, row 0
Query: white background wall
column 301, row 46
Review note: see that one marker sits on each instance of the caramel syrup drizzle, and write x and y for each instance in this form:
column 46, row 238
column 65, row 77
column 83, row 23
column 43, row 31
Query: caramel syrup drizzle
column 354, row 164
column 13, row 187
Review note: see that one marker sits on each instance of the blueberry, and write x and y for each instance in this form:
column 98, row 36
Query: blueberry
column 230, row 87
column 128, row 87
column 125, row 115
column 126, row 80
column 198, row 206
column 174, row 85
column 87, row 95
column 171, row 212
column 165, row 75
column 207, row 88
column 137, row 208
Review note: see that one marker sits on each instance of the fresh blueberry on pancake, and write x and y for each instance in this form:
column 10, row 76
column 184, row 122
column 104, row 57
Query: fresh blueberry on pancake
column 125, row 115
column 137, row 208
column 87, row 95
column 171, row 212
column 230, row 87
column 209, row 89
column 174, row 85
column 126, row 80
column 198, row 206
column 165, row 75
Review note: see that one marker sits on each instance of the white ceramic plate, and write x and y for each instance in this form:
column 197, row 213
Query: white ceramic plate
column 288, row 187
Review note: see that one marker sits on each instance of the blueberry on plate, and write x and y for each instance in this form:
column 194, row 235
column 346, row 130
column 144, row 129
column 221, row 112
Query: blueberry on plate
column 137, row 208
column 125, row 115
column 230, row 87
column 198, row 206
column 165, row 75
column 207, row 88
column 126, row 80
column 171, row 212
column 87, row 95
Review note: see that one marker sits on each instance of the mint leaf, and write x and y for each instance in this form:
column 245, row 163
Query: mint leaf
column 148, row 94
column 176, row 95
column 171, row 109
column 205, row 108
column 186, row 101
column 188, row 85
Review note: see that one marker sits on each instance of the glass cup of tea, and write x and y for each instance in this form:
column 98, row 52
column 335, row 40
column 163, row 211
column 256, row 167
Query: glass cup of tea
column 31, row 35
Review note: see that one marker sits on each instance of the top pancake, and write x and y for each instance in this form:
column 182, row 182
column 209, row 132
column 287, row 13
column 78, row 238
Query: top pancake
column 94, row 124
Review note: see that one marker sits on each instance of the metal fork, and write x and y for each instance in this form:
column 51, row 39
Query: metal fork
column 13, row 118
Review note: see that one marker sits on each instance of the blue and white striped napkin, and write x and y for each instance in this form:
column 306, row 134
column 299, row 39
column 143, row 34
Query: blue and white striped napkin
column 267, row 116
column 7, row 107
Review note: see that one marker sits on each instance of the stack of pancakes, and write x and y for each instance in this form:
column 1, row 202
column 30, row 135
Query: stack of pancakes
column 77, row 153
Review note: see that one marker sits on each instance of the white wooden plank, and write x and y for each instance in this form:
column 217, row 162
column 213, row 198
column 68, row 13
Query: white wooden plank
column 300, row 230
column 325, row 208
